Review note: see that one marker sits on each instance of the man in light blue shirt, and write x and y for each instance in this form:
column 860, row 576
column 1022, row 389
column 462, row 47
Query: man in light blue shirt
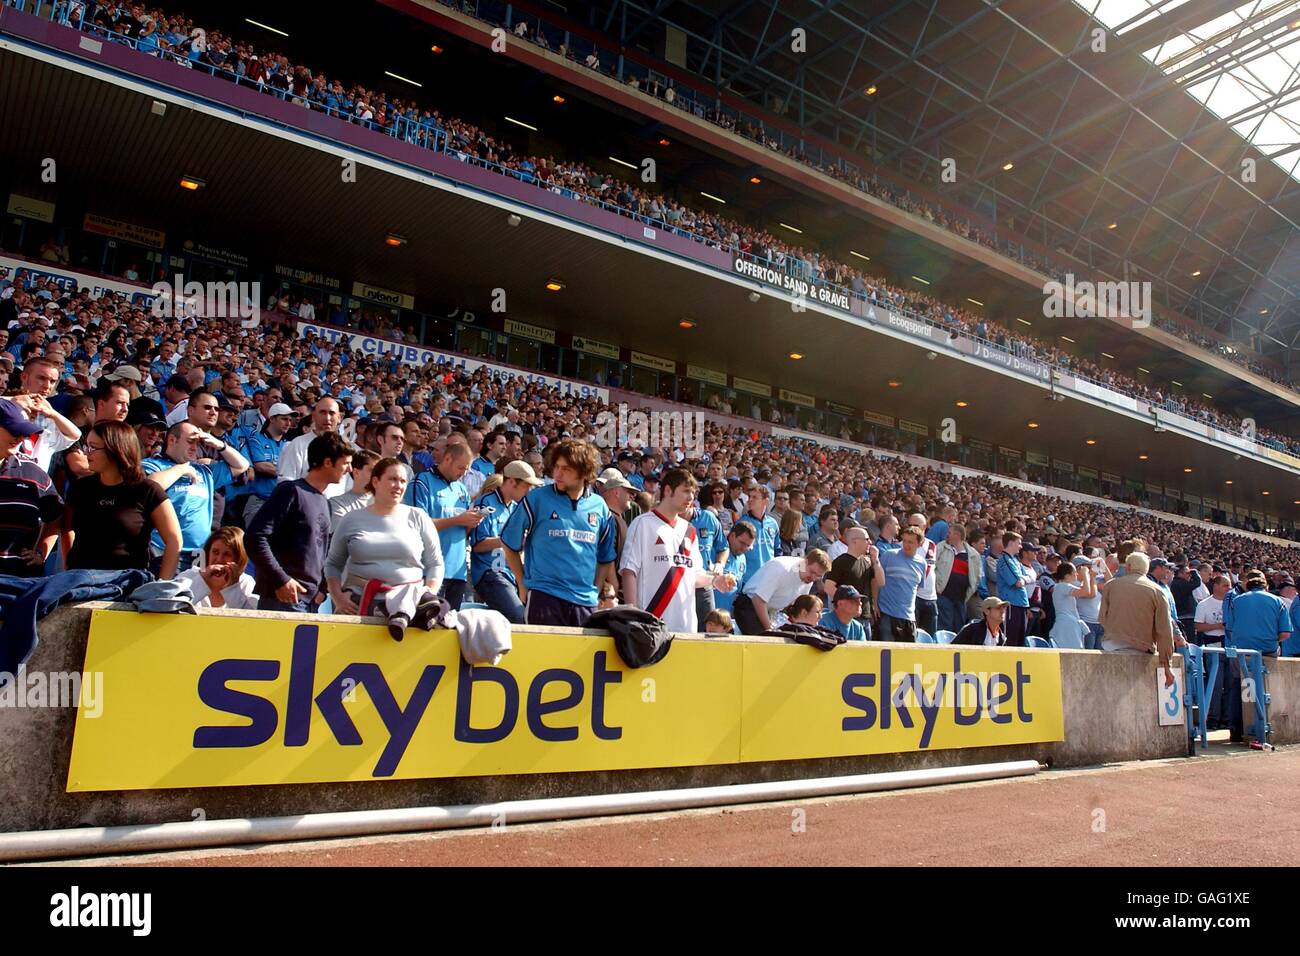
column 842, row 616
column 444, row 498
column 1254, row 621
column 1014, row 579
column 904, row 569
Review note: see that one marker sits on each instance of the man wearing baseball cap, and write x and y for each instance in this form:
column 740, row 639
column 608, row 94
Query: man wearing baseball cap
column 29, row 505
column 988, row 630
column 264, row 449
column 842, row 616
column 493, row 581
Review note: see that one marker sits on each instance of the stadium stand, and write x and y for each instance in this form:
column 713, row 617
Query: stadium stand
column 276, row 391
column 158, row 34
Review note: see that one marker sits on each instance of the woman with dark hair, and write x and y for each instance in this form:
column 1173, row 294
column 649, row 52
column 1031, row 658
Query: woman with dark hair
column 111, row 512
column 388, row 553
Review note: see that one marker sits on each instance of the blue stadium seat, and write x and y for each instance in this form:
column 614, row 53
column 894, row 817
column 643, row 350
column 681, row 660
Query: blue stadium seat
column 1037, row 642
column 925, row 637
column 945, row 637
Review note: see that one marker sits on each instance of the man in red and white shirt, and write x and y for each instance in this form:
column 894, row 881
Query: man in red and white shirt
column 661, row 562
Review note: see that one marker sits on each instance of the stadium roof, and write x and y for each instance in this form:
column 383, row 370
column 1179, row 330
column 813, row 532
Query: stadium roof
column 1256, row 42
column 1131, row 164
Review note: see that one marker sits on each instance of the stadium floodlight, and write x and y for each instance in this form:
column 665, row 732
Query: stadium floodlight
column 192, row 183
column 511, row 119
column 265, row 27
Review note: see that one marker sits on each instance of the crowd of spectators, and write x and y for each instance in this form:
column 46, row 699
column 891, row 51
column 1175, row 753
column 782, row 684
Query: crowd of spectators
column 273, row 471
column 157, row 33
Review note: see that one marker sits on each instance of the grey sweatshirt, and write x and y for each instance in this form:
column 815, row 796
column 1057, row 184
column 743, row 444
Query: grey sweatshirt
column 401, row 548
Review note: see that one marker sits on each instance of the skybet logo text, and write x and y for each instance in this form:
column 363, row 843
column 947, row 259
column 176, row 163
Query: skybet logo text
column 1098, row 300
column 633, row 428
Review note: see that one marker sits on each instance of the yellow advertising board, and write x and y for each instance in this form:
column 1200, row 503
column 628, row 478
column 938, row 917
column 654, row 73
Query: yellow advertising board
column 208, row 702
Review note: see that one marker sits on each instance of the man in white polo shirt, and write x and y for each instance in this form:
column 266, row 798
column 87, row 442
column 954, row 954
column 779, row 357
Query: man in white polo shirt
column 1210, row 633
column 775, row 586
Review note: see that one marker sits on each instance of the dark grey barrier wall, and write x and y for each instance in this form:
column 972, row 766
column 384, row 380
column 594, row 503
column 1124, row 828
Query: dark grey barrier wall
column 1109, row 704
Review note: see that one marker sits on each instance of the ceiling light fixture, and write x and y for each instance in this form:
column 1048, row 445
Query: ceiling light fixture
column 402, row 78
column 962, row 404
column 922, row 281
column 871, row 90
column 791, row 228
column 435, row 48
column 557, row 98
column 686, row 324
column 796, row 355
column 859, row 255
column 394, row 240
column 894, row 383
column 1023, row 322
column 192, row 183
column 975, row 301
column 1068, row 339
column 713, row 197
column 511, row 119
column 554, row 285
column 1007, row 167
column 1107, row 355
column 1090, row 441
column 663, row 141
column 1196, row 273
column 1033, row 424
column 1113, row 225
column 1142, row 457
column 265, row 27
column 755, row 180
column 621, row 162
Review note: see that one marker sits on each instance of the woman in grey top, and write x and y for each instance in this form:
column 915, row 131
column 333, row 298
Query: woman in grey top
column 389, row 551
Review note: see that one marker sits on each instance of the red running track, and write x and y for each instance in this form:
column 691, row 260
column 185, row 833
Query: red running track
column 1132, row 814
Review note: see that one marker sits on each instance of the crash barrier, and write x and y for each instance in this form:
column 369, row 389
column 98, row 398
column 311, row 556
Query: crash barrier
column 235, row 714
column 1202, row 666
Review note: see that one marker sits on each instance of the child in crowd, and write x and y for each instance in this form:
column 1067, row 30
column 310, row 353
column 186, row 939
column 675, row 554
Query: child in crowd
column 718, row 622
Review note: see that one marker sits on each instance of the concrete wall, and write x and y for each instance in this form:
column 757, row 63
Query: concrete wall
column 1109, row 701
